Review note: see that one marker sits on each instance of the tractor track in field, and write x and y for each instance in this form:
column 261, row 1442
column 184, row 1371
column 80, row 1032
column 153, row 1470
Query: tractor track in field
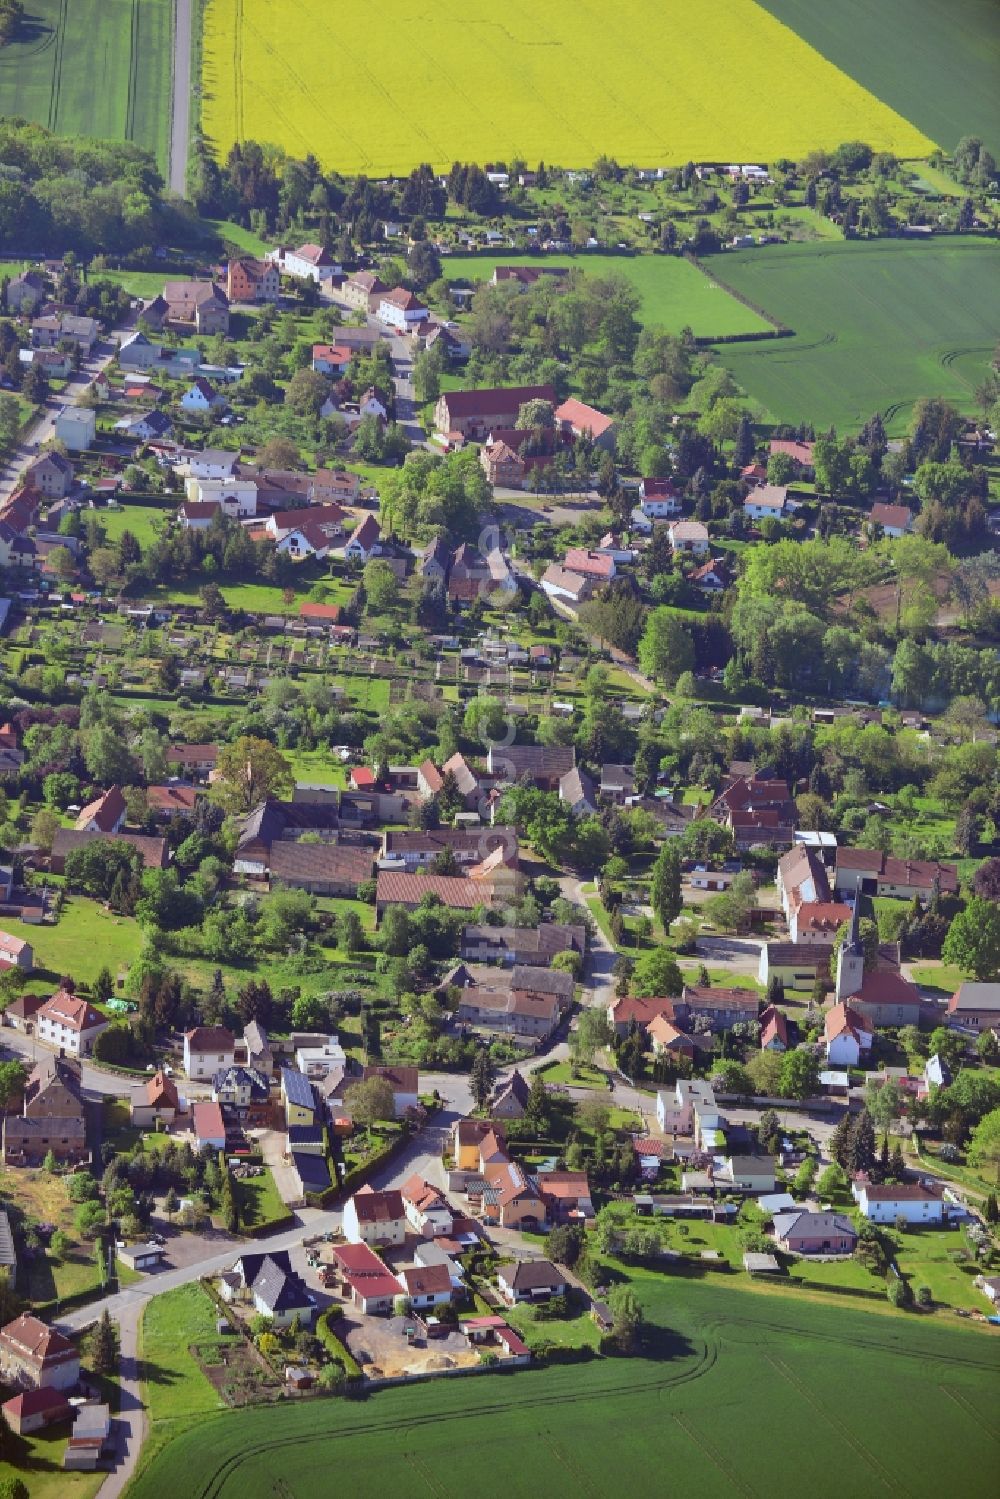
column 214, row 1484
column 56, row 91
column 133, row 72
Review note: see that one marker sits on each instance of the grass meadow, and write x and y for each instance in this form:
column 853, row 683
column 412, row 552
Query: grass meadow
column 896, row 51
column 878, row 324
column 739, row 1393
column 675, row 294
column 559, row 84
column 93, row 67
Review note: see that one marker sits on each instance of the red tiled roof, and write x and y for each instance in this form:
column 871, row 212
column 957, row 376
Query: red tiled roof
column 70, row 1012
column 583, row 418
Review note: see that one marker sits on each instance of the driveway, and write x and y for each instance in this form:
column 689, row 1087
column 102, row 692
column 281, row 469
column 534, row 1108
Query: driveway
column 286, row 1178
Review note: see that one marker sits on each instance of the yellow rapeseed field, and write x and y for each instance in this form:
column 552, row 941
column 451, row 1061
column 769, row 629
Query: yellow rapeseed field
column 380, row 88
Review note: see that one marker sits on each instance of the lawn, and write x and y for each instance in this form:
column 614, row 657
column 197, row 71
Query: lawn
column 877, row 325
column 176, row 1391
column 567, row 89
column 896, row 51
column 945, row 977
column 585, row 1075
column 674, row 293
column 721, row 1367
column 924, row 1257
column 85, row 939
column 259, row 1201
column 146, row 522
column 580, row 1331
column 94, row 67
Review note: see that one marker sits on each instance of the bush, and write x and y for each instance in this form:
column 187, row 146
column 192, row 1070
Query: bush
column 924, row 1297
column 899, row 1293
column 334, row 1347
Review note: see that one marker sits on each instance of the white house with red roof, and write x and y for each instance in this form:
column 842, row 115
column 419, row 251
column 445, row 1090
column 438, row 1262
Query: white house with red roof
column 372, row 1287
column 69, row 1023
column 846, row 1035
column 104, row 815
column 365, row 542
column 659, row 499
column 401, row 309
column 208, row 1048
column 309, row 262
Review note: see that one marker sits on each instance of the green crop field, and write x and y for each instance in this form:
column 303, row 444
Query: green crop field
column 742, row 1393
column 675, row 294
column 93, row 67
column 896, row 47
column 877, row 325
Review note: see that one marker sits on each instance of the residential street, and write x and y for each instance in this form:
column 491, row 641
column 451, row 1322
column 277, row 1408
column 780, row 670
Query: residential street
column 13, row 466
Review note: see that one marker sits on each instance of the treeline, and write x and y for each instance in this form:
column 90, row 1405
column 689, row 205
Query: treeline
column 85, row 195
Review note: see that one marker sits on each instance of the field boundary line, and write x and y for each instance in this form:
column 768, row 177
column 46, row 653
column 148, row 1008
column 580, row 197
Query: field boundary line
column 964, row 1404
column 774, row 322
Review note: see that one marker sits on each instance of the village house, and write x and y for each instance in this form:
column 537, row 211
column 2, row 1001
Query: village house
column 457, row 892
column 186, row 305
column 331, row 359
column 202, row 397
column 372, row 1217
column 404, row 1082
column 576, row 790
column 24, row 293
column 35, row 1356
column 427, row 1210
column 473, row 413
column 510, row 1011
column 575, row 419
column 773, row 1030
column 365, row 542
column 208, row 1126
column 154, row 1101
column 659, row 499
column 298, row 1097
column 560, row 583
column 631, row 1008
column 372, row 1288
column 525, row 945
column 51, row 475
column 401, row 310
column 870, row 872
column 802, row 1232
column 974, row 1007
column 32, row 1410
column 894, row 520
column 308, row 263
column 65, row 327
column 846, row 1036
column 910, row 1201
column 69, row 1023
column 688, row 536
column 426, row 1286
column 76, row 428
column 206, row 1049
column 363, row 291
column 529, row 1280
column 542, row 764
column 52, row 1116
column 252, row 280
column 510, row 1099
column 768, row 502
column 15, row 952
